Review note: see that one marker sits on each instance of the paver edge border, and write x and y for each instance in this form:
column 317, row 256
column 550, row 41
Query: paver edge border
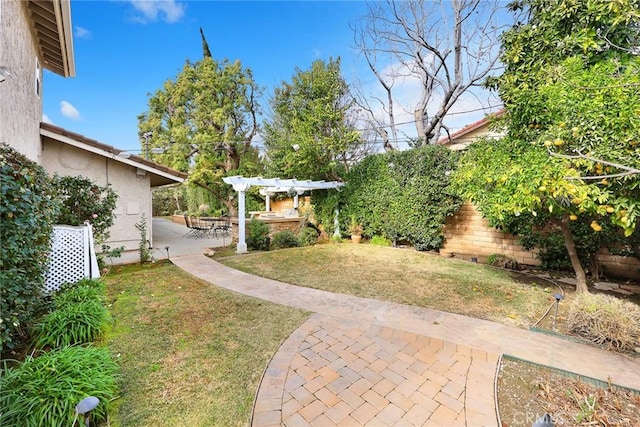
column 285, row 341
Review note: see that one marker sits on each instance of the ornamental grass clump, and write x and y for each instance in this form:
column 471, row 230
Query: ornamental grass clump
column 84, row 290
column 606, row 320
column 70, row 324
column 43, row 391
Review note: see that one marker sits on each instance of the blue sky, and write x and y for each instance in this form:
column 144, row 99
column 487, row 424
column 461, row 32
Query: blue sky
column 125, row 50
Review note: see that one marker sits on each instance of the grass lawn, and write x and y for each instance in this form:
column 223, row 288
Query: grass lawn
column 407, row 277
column 191, row 354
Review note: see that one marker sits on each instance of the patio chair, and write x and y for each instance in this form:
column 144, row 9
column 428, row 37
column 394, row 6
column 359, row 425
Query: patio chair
column 200, row 229
column 187, row 222
column 224, row 227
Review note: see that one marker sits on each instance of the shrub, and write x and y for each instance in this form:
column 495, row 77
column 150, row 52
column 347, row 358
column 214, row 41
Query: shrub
column 27, row 210
column 82, row 200
column 258, row 238
column 44, row 391
column 606, row 320
column 307, row 236
column 143, row 245
column 404, row 195
column 69, row 324
column 380, row 241
column 284, row 239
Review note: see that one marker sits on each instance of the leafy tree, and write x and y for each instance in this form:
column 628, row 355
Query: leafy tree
column 204, row 120
column 570, row 88
column 310, row 134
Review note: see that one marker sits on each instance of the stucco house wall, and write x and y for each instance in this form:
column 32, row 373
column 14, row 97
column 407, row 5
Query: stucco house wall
column 18, row 53
column 134, row 194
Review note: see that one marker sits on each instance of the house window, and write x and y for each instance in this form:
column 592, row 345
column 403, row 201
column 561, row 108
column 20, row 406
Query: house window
column 38, row 74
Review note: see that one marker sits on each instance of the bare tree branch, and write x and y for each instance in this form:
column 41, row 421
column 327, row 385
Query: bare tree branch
column 447, row 46
column 628, row 170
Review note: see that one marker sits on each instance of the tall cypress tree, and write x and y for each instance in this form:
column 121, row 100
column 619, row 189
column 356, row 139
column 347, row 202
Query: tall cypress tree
column 206, row 53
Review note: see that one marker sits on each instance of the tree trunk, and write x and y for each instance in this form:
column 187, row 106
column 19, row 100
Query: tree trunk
column 570, row 244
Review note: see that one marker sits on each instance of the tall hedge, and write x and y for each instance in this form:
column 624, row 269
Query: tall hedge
column 27, row 210
column 404, row 196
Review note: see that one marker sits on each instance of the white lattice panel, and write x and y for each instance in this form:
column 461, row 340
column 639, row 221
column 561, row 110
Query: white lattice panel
column 69, row 259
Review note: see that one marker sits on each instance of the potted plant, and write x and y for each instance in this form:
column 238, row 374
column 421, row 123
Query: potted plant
column 355, row 229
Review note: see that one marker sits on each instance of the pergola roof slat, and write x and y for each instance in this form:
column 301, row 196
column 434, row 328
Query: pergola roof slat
column 282, row 183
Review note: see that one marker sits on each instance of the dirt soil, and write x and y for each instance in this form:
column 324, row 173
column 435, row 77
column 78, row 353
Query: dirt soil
column 527, row 392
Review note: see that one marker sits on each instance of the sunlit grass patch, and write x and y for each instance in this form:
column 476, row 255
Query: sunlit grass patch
column 191, row 354
column 407, row 277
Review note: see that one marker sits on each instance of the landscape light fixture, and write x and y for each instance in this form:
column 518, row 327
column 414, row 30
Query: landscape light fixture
column 85, row 407
column 558, row 297
column 166, row 248
column 4, row 73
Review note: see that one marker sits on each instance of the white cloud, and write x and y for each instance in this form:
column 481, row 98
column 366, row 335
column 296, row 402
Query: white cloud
column 82, row 33
column 151, row 10
column 46, row 119
column 69, row 110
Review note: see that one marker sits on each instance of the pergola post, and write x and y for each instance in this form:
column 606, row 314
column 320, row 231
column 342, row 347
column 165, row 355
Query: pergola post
column 241, row 248
column 267, row 203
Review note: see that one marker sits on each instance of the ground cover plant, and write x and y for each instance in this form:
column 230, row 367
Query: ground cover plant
column 44, row 390
column 190, row 353
column 77, row 316
column 407, row 277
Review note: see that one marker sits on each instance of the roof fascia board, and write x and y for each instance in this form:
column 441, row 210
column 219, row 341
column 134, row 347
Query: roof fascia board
column 62, row 9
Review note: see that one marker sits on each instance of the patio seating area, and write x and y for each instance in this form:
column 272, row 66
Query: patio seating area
column 205, row 227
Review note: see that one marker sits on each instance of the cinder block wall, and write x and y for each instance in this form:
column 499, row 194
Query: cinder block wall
column 468, row 235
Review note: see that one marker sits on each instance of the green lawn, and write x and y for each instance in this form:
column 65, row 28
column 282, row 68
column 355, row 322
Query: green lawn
column 408, row 277
column 191, row 354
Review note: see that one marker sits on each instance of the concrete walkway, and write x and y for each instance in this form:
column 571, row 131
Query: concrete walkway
column 168, row 234
column 361, row 361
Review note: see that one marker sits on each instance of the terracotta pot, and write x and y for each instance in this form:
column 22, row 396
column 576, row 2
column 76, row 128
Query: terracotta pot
column 356, row 238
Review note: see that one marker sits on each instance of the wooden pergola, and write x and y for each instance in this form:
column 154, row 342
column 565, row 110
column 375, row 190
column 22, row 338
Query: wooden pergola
column 269, row 187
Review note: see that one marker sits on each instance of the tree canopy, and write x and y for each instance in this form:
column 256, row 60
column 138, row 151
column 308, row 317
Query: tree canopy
column 571, row 91
column 204, row 120
column 310, row 133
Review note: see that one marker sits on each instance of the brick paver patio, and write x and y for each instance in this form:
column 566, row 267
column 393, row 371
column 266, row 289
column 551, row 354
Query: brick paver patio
column 364, row 362
column 351, row 373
